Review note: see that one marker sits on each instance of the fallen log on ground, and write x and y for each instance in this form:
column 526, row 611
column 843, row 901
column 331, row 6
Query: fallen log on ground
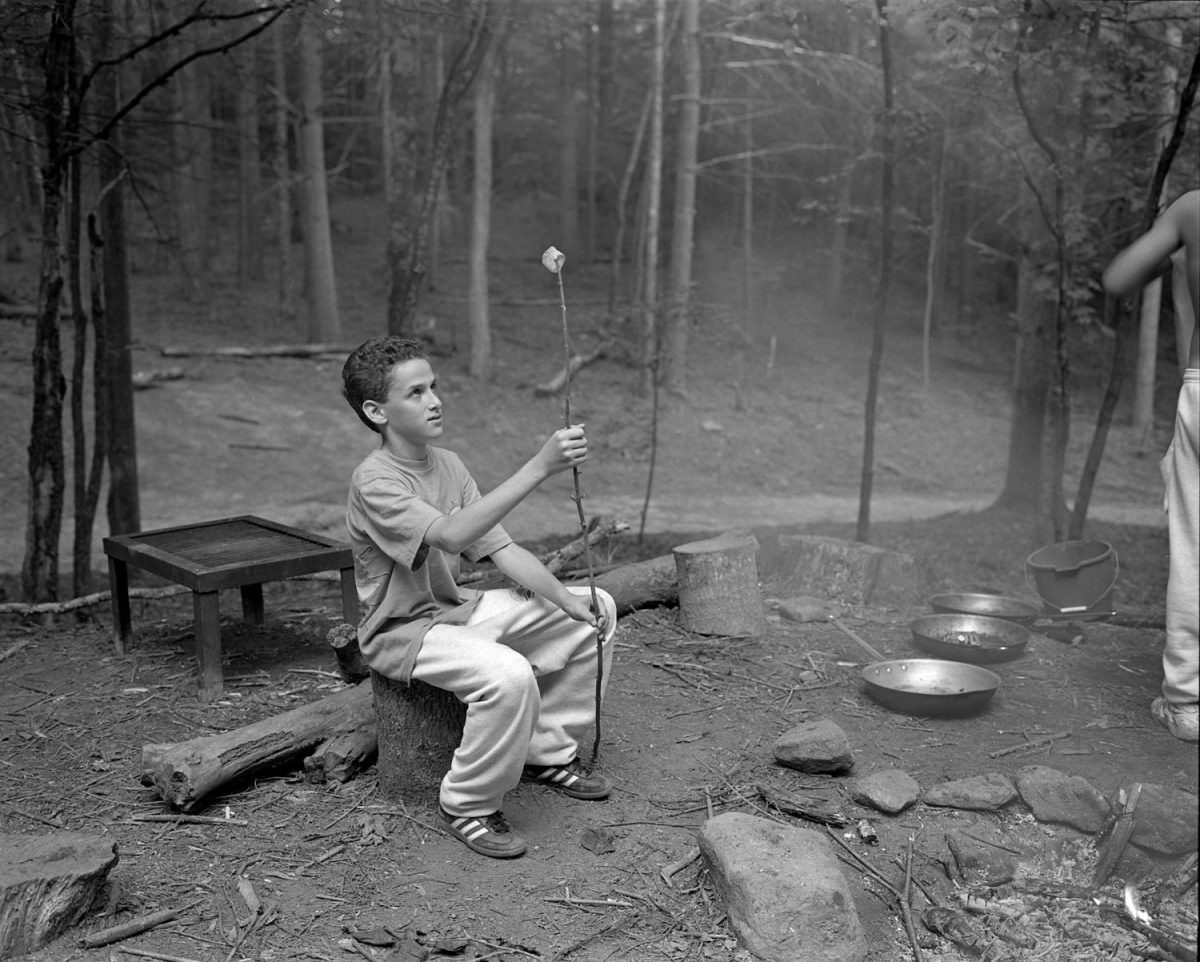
column 184, row 773
column 338, row 734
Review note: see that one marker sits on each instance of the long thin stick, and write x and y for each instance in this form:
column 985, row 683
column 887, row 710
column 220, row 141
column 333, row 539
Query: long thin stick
column 587, row 548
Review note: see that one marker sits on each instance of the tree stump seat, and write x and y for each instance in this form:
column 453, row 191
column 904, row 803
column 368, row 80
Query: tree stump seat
column 419, row 727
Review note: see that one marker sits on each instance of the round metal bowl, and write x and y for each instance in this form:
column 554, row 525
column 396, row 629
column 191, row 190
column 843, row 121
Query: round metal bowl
column 991, row 606
column 930, row 686
column 974, row 638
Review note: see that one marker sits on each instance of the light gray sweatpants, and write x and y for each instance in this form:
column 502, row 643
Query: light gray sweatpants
column 527, row 674
column 1181, row 474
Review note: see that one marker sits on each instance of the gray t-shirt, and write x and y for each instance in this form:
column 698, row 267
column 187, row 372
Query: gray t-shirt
column 406, row 586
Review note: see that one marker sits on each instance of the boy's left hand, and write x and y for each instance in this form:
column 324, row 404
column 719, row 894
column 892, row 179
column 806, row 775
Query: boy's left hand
column 579, row 607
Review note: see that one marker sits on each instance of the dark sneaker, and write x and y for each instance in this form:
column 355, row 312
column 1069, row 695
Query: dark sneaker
column 570, row 779
column 486, row 834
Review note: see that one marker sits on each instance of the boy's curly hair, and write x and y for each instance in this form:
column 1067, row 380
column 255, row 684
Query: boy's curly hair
column 367, row 370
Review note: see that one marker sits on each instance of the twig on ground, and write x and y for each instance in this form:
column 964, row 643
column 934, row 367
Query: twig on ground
column 905, row 913
column 602, row 903
column 621, row 923
column 133, row 927
column 84, row 601
column 1030, row 745
column 189, row 819
column 161, row 956
column 14, row 648
column 667, row 872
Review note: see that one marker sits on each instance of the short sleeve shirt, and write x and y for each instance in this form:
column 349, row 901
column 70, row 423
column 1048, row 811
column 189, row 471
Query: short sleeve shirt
column 406, row 586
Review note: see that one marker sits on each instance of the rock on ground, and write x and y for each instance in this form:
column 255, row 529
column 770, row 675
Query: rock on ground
column 818, row 747
column 889, row 791
column 1165, row 820
column 47, row 885
column 783, row 890
column 984, row 793
column 1063, row 799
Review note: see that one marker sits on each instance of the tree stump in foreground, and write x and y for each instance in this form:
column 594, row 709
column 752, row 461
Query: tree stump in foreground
column 419, row 728
column 718, row 586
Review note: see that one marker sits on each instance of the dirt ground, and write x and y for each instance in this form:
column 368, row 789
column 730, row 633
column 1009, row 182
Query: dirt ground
column 770, row 434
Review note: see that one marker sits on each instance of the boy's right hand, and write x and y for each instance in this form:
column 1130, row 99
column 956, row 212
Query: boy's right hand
column 565, row 448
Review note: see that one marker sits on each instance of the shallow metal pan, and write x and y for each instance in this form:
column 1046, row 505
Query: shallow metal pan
column 975, row 638
column 930, row 686
column 991, row 606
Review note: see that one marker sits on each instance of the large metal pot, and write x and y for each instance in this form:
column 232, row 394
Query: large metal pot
column 930, row 686
column 974, row 638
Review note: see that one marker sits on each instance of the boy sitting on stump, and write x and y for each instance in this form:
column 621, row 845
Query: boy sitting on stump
column 524, row 667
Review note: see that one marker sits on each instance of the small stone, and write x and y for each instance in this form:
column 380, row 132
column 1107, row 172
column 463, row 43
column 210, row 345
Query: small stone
column 889, row 791
column 1062, row 799
column 804, row 608
column 818, row 747
column 979, row 793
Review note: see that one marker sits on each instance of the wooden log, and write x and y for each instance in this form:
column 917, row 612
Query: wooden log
column 184, row 773
column 644, row 584
column 419, row 728
column 718, row 586
column 47, row 885
column 339, row 759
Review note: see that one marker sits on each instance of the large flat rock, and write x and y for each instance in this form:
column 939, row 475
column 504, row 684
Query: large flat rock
column 47, row 884
column 783, row 890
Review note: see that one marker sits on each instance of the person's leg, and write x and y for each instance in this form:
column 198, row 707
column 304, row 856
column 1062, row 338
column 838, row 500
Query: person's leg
column 499, row 689
column 1177, row 709
column 564, row 658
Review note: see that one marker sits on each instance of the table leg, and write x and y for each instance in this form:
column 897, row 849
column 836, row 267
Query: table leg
column 349, row 597
column 252, row 604
column 118, row 587
column 207, row 629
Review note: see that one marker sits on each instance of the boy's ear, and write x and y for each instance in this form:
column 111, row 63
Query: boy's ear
column 374, row 412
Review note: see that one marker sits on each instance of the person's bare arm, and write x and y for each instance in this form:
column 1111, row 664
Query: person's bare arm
column 566, row 448
column 1144, row 259
column 525, row 569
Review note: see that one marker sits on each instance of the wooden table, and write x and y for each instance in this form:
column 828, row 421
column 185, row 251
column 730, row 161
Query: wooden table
column 241, row 552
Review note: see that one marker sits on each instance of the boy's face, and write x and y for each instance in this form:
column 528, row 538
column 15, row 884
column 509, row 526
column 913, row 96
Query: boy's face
column 411, row 416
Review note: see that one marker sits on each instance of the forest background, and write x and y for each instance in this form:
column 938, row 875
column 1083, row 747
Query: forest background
column 948, row 161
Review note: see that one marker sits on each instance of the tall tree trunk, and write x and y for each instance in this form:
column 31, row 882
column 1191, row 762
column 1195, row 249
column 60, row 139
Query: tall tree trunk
column 250, row 260
column 631, row 164
column 286, row 299
column 675, row 338
column 116, row 327
column 933, row 256
column 653, row 187
column 1031, row 377
column 407, row 281
column 845, row 197
column 863, row 530
column 481, row 220
column 46, row 467
column 188, row 212
column 324, row 324
column 1147, row 357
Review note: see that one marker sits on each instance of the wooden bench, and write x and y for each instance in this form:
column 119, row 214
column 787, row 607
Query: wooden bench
column 241, row 552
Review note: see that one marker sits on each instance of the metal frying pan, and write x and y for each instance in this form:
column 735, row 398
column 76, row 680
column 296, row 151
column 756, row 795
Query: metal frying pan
column 930, row 686
column 1005, row 606
column 975, row 638
column 925, row 686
